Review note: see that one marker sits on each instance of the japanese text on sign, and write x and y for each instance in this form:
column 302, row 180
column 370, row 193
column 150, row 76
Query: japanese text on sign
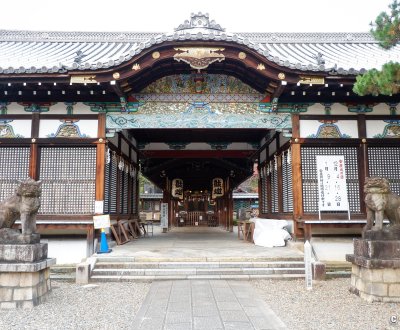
column 177, row 188
column 217, row 187
column 332, row 187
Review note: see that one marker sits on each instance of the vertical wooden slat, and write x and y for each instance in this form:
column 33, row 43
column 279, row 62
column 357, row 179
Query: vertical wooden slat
column 362, row 158
column 297, row 177
column 280, row 182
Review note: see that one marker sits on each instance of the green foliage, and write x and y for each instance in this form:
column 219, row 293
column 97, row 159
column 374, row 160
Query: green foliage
column 386, row 30
column 375, row 82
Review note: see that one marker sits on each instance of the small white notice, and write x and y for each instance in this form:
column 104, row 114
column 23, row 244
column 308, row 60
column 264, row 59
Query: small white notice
column 101, row 221
column 307, row 265
column 98, row 207
column 164, row 215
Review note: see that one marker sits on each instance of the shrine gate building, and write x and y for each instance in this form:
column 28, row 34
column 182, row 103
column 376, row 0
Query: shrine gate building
column 86, row 112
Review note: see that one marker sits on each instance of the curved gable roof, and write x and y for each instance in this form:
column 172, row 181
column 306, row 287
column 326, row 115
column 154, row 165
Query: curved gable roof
column 24, row 52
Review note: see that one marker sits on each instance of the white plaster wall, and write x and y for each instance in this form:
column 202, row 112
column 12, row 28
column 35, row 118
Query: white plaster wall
column 15, row 108
column 309, row 127
column 21, row 127
column 381, row 109
column 319, row 109
column 316, row 109
column 374, row 127
column 49, row 126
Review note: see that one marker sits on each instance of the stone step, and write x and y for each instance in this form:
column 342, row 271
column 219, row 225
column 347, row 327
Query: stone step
column 168, row 265
column 194, row 271
column 109, row 278
column 101, row 259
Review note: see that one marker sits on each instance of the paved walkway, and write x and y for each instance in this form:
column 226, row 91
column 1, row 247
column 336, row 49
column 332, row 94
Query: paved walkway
column 204, row 305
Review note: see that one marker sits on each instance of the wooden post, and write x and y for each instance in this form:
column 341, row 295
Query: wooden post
column 100, row 158
column 34, row 148
column 297, row 177
column 100, row 177
column 230, row 210
column 363, row 159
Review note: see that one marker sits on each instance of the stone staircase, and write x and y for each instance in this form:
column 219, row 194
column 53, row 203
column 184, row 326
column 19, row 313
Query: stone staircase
column 109, row 269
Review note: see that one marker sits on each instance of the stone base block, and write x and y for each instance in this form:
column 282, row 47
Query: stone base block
column 377, row 249
column 25, row 288
column 23, row 252
column 376, row 284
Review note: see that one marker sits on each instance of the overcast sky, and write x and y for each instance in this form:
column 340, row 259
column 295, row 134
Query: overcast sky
column 165, row 15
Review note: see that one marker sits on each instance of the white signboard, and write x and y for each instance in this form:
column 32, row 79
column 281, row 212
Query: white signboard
column 98, row 207
column 332, row 183
column 164, row 215
column 101, row 221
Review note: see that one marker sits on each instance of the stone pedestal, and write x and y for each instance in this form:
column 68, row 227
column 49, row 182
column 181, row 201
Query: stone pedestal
column 24, row 275
column 375, row 272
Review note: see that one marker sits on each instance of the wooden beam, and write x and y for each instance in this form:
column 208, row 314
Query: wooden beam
column 100, row 158
column 197, row 153
column 296, row 177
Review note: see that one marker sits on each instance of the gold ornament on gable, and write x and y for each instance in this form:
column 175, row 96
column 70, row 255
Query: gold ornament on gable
column 199, row 58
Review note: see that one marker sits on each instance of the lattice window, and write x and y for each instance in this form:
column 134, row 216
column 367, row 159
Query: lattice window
column 287, row 182
column 310, row 180
column 14, row 166
column 274, row 187
column 68, row 180
column 264, row 193
column 113, row 185
column 107, row 187
column 391, row 167
column 133, row 195
column 125, row 193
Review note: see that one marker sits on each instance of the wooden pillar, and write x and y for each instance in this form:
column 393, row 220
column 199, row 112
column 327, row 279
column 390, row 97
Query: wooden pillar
column 34, row 160
column 363, row 168
column 230, row 210
column 100, row 158
column 279, row 174
column 296, row 175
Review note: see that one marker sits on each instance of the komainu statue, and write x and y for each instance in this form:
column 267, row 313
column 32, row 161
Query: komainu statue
column 381, row 203
column 23, row 205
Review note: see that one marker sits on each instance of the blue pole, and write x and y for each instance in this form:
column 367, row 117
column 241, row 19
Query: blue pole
column 103, row 243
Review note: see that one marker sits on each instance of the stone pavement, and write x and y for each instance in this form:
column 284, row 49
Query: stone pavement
column 204, row 305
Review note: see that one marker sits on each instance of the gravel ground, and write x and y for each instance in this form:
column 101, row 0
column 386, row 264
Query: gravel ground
column 329, row 305
column 113, row 306
column 71, row 306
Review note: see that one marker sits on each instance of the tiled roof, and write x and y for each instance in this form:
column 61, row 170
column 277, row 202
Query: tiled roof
column 47, row 52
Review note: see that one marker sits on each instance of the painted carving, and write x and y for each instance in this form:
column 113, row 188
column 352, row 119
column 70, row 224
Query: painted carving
column 199, row 120
column 186, row 84
column 329, row 130
column 23, row 205
column 381, row 203
column 199, row 58
column 392, row 130
column 37, row 107
column 7, row 131
column 68, row 129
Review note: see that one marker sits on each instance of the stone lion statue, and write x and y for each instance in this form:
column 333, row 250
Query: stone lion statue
column 23, row 205
column 381, row 203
